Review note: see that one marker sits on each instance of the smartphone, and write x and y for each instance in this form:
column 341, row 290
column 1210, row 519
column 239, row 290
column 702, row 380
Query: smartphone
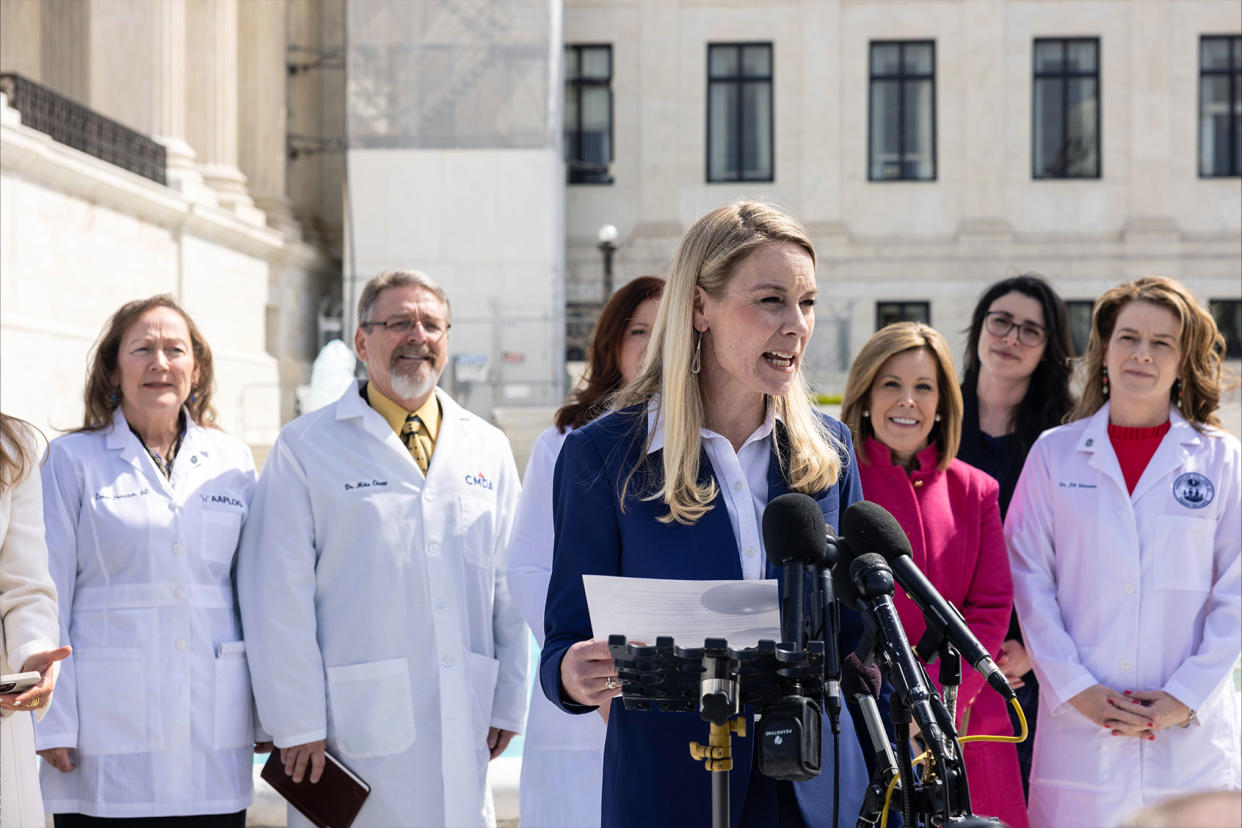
column 18, row 682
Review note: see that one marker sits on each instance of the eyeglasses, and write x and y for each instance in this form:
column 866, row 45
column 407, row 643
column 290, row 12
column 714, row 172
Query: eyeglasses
column 999, row 324
column 432, row 328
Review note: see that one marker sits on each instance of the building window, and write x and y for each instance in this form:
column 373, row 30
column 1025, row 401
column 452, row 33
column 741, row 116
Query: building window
column 588, row 114
column 1079, row 322
column 1220, row 106
column 902, row 111
column 1065, row 117
column 886, row 313
column 739, row 112
column 1228, row 316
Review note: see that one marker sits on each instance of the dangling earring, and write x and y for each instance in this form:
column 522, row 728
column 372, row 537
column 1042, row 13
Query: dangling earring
column 937, row 418
column 696, row 360
column 1104, row 384
column 866, row 413
column 1177, row 389
column 193, row 397
column 115, row 398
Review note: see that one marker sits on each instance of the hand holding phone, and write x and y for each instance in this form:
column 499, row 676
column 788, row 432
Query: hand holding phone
column 18, row 682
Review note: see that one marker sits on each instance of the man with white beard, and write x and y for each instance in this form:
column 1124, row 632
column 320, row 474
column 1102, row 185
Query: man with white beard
column 371, row 579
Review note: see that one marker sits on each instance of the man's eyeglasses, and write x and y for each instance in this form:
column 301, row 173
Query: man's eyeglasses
column 999, row 324
column 402, row 325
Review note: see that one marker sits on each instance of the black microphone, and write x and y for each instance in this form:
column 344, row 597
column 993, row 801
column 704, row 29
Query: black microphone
column 826, row 595
column 794, row 538
column 861, row 685
column 870, row 527
column 873, row 582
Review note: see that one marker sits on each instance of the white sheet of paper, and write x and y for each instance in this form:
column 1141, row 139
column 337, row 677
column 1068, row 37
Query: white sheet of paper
column 743, row 612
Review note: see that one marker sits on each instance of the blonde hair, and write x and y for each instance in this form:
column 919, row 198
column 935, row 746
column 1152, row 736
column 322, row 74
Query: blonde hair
column 1201, row 342
column 18, row 450
column 707, row 257
column 886, row 343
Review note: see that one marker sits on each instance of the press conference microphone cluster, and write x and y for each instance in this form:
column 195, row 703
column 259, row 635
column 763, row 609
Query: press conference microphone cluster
column 868, row 527
column 796, row 538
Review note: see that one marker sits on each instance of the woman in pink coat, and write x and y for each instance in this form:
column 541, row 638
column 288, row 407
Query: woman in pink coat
column 904, row 408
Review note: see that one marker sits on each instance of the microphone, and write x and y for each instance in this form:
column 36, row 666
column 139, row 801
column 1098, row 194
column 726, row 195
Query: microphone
column 822, row 572
column 869, row 526
column 794, row 538
column 873, row 584
column 861, row 684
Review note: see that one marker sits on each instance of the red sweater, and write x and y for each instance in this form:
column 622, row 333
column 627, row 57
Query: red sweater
column 1134, row 448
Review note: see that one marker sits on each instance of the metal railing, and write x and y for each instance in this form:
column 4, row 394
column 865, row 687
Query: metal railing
column 82, row 128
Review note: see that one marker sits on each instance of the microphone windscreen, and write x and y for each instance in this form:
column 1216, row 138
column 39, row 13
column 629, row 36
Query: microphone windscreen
column 858, row 679
column 793, row 530
column 842, row 584
column 870, row 528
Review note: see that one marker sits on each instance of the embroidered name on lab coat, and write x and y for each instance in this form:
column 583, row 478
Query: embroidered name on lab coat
column 1062, row 484
column 1193, row 490
column 365, row 484
column 106, row 495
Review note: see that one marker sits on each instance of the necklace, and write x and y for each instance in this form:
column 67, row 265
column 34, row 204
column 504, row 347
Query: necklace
column 165, row 466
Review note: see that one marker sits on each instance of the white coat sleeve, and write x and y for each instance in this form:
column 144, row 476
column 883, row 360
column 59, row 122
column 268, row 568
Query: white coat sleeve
column 27, row 593
column 1221, row 642
column 62, row 506
column 276, row 592
column 530, row 547
column 1032, row 562
column 508, row 629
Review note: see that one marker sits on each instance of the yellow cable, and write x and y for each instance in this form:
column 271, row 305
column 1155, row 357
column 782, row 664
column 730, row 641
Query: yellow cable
column 1021, row 737
column 922, row 757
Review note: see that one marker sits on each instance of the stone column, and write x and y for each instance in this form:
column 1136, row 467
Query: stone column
column 20, row 38
column 137, row 77
column 211, row 93
column 262, row 108
column 66, row 33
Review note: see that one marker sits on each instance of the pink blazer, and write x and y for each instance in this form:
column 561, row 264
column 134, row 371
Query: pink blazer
column 953, row 522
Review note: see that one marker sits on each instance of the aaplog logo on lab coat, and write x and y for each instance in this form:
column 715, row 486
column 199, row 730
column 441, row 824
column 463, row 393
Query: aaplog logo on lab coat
column 225, row 499
column 480, row 480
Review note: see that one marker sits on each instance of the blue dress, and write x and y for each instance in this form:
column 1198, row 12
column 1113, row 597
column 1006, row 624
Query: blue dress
column 649, row 776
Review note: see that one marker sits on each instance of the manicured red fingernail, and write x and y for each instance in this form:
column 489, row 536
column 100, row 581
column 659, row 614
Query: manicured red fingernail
column 1127, row 692
column 1151, row 724
column 1135, row 701
column 1151, row 738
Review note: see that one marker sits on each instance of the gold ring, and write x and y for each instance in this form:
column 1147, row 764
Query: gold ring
column 34, row 702
column 610, row 683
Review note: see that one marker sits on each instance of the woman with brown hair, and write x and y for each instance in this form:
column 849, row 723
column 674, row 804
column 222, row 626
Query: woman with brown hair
column 562, row 757
column 143, row 507
column 28, row 628
column 904, row 409
column 1123, row 538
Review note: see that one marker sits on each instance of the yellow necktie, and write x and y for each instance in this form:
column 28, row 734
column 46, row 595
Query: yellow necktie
column 418, row 441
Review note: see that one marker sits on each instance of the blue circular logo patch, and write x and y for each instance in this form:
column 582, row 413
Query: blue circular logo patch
column 1193, row 490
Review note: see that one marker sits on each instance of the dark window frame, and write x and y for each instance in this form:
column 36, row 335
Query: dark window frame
column 739, row 80
column 577, row 170
column 903, row 305
column 1070, row 306
column 902, row 77
column 1234, row 73
column 1065, row 75
column 1233, row 337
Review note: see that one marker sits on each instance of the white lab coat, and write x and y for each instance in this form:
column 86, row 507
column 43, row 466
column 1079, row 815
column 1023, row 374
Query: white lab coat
column 28, row 625
column 156, row 696
column 1138, row 592
column 376, row 610
column 563, row 755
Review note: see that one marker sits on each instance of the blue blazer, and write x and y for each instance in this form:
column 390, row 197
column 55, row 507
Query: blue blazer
column 649, row 777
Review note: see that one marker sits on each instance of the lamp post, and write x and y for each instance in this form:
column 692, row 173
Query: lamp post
column 607, row 245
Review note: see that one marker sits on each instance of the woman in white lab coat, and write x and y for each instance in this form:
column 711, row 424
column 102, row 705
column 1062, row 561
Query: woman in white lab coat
column 143, row 507
column 563, row 755
column 28, row 628
column 1123, row 537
